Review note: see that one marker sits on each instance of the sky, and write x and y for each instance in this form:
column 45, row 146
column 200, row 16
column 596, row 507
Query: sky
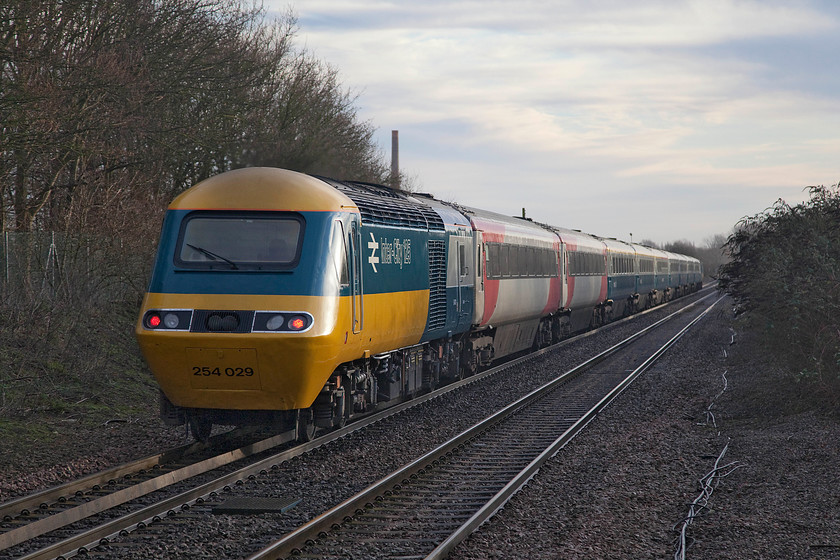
column 635, row 119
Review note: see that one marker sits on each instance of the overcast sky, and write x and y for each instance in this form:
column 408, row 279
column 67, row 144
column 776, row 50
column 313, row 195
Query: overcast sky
column 663, row 119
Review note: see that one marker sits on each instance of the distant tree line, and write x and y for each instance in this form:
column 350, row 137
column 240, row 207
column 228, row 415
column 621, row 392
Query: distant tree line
column 109, row 108
column 784, row 275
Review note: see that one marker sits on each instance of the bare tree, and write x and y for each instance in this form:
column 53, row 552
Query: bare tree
column 314, row 125
column 107, row 101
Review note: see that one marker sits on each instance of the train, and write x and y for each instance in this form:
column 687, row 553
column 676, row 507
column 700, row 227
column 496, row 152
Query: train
column 293, row 300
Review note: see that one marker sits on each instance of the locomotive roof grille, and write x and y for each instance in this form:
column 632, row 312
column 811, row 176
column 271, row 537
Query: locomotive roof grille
column 384, row 206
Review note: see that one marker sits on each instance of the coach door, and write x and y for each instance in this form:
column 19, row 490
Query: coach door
column 464, row 262
column 479, row 274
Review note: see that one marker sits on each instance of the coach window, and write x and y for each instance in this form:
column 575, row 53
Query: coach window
column 513, row 261
column 492, row 266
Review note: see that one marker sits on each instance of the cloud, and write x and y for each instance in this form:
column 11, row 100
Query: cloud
column 577, row 23
column 677, row 103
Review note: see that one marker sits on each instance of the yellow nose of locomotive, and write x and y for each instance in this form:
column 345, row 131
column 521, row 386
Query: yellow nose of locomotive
column 244, row 357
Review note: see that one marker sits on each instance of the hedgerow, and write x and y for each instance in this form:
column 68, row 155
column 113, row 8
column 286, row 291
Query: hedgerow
column 784, row 275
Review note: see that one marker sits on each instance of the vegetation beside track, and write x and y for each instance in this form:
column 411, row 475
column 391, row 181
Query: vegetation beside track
column 109, row 109
column 66, row 370
column 784, row 275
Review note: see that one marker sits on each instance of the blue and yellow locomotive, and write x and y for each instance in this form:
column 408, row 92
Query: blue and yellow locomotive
column 276, row 291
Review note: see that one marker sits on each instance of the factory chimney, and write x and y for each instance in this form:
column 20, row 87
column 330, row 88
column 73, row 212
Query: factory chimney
column 395, row 159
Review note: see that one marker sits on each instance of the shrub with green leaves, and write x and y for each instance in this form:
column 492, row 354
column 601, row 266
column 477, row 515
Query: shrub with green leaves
column 784, row 275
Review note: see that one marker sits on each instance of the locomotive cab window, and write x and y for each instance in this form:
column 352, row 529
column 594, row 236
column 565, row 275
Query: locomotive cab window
column 240, row 241
column 338, row 251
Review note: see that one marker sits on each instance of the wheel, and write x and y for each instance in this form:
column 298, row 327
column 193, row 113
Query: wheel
column 201, row 425
column 305, row 425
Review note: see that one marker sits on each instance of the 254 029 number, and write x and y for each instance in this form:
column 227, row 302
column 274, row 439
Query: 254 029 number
column 228, row 371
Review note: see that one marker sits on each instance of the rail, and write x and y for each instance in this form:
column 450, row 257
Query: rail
column 458, row 472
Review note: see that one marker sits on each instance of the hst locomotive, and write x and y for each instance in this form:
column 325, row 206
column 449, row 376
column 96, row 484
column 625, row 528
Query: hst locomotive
column 284, row 298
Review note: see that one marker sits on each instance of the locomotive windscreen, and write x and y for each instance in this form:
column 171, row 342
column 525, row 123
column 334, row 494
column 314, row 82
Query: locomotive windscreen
column 239, row 240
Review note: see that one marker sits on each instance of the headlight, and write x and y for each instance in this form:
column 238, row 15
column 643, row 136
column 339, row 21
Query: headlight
column 170, row 320
column 282, row 321
column 275, row 323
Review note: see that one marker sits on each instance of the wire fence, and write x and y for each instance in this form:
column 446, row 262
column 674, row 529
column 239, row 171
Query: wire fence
column 53, row 266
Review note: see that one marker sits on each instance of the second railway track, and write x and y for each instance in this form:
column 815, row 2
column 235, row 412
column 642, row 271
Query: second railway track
column 427, row 507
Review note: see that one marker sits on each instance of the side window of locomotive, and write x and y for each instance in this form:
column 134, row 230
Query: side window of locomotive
column 338, row 252
column 233, row 241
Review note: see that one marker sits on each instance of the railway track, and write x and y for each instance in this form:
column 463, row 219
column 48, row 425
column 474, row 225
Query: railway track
column 40, row 515
column 77, row 516
column 426, row 508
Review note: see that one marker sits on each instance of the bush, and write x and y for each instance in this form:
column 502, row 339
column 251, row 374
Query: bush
column 784, row 277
